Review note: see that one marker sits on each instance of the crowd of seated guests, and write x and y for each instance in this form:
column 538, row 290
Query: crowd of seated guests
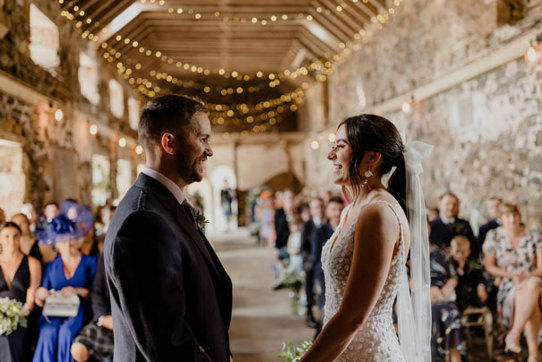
column 501, row 269
column 56, row 255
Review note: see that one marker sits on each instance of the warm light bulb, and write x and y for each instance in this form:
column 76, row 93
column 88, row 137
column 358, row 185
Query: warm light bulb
column 139, row 149
column 93, row 129
column 59, row 115
column 530, row 55
column 315, row 145
column 331, row 137
column 122, row 142
column 406, row 107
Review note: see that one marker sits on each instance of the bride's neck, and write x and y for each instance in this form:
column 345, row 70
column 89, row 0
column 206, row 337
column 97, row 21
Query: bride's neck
column 364, row 193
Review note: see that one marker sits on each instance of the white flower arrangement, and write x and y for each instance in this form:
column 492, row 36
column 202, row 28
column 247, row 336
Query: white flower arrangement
column 293, row 354
column 10, row 317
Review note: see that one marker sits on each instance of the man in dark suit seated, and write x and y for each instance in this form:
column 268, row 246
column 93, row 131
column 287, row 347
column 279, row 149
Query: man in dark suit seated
column 447, row 224
column 493, row 205
column 307, row 231
column 321, row 235
column 171, row 297
column 96, row 338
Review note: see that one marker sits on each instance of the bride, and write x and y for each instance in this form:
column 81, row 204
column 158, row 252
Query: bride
column 364, row 260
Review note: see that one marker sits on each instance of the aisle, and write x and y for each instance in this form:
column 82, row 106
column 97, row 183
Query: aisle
column 261, row 317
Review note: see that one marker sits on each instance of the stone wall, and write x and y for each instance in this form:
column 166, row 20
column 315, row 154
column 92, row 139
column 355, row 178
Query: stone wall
column 487, row 131
column 57, row 154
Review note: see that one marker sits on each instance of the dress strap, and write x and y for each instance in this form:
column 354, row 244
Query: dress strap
column 401, row 244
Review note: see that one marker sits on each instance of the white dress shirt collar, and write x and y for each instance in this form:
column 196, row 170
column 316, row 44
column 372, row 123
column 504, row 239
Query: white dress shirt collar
column 446, row 220
column 170, row 185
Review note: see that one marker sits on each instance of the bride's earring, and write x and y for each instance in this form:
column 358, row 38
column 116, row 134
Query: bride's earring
column 368, row 174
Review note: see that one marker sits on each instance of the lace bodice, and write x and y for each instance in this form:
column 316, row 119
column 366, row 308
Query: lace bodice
column 376, row 340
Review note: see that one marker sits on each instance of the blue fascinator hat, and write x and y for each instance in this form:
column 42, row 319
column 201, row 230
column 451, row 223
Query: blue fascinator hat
column 74, row 222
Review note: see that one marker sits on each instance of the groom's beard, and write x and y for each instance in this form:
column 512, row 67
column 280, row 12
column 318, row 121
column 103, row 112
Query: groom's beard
column 188, row 166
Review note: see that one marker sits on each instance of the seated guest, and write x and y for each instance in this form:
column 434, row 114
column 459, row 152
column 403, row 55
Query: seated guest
column 493, row 205
column 514, row 254
column 471, row 285
column 96, row 338
column 47, row 249
column 446, row 330
column 72, row 273
column 321, row 236
column 20, row 277
column 29, row 244
column 447, row 224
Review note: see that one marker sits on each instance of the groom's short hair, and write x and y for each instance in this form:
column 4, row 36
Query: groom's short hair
column 169, row 113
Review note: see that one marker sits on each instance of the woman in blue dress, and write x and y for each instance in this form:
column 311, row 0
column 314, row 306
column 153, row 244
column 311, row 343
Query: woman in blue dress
column 71, row 273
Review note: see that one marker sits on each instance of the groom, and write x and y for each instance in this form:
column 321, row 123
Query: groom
column 171, row 298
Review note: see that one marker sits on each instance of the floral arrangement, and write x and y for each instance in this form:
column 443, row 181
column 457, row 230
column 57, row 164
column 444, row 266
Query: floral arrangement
column 10, row 317
column 294, row 354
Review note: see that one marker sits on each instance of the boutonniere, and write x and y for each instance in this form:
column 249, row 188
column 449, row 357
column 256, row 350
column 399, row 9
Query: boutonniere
column 200, row 218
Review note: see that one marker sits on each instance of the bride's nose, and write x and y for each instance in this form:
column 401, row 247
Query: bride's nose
column 331, row 155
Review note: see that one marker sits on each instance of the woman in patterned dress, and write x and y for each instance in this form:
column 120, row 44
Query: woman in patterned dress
column 513, row 253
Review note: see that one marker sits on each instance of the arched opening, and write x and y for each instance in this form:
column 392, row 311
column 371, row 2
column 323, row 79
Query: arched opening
column 223, row 178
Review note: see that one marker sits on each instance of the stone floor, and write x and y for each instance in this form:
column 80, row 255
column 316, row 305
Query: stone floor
column 261, row 317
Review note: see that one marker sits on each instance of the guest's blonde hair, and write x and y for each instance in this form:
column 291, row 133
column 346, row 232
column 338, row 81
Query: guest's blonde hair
column 508, row 208
column 460, row 242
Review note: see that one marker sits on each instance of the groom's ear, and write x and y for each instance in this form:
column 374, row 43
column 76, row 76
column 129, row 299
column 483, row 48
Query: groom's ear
column 167, row 141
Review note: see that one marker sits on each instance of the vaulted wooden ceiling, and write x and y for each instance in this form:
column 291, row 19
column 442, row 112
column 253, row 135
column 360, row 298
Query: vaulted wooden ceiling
column 221, row 46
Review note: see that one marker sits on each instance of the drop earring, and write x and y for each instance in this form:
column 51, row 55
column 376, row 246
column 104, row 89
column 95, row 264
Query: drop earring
column 368, row 174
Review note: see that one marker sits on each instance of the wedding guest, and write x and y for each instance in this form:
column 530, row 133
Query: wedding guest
column 471, row 287
column 20, row 277
column 294, row 245
column 493, row 205
column 322, row 234
column 96, row 338
column 308, row 231
column 71, row 273
column 446, row 330
column 448, row 224
column 47, row 249
column 283, row 203
column 30, row 212
column 514, row 254
column 29, row 244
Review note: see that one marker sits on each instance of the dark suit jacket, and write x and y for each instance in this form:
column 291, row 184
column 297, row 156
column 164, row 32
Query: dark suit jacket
column 282, row 230
column 442, row 234
column 306, row 235
column 320, row 236
column 170, row 296
column 101, row 303
column 484, row 229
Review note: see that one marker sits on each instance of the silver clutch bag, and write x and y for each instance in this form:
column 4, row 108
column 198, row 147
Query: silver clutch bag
column 57, row 305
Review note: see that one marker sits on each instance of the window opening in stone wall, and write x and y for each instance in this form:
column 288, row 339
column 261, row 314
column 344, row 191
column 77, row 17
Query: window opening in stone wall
column 101, row 184
column 124, row 177
column 116, row 98
column 88, row 76
column 44, row 40
column 12, row 177
column 133, row 112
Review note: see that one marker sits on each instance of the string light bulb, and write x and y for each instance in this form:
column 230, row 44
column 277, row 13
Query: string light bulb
column 315, row 145
column 139, row 149
column 93, row 129
column 531, row 55
column 331, row 137
column 406, row 107
column 122, row 142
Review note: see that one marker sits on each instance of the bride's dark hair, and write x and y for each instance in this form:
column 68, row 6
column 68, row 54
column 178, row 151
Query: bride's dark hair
column 368, row 132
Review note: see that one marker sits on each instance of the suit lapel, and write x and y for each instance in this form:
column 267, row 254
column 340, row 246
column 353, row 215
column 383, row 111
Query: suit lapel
column 188, row 226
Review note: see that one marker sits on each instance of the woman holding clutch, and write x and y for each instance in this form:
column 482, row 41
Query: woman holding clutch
column 71, row 273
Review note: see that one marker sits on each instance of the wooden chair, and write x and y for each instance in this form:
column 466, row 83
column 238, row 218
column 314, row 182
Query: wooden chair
column 483, row 317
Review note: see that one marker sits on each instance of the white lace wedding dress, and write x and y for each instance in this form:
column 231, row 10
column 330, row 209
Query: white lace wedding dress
column 376, row 340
